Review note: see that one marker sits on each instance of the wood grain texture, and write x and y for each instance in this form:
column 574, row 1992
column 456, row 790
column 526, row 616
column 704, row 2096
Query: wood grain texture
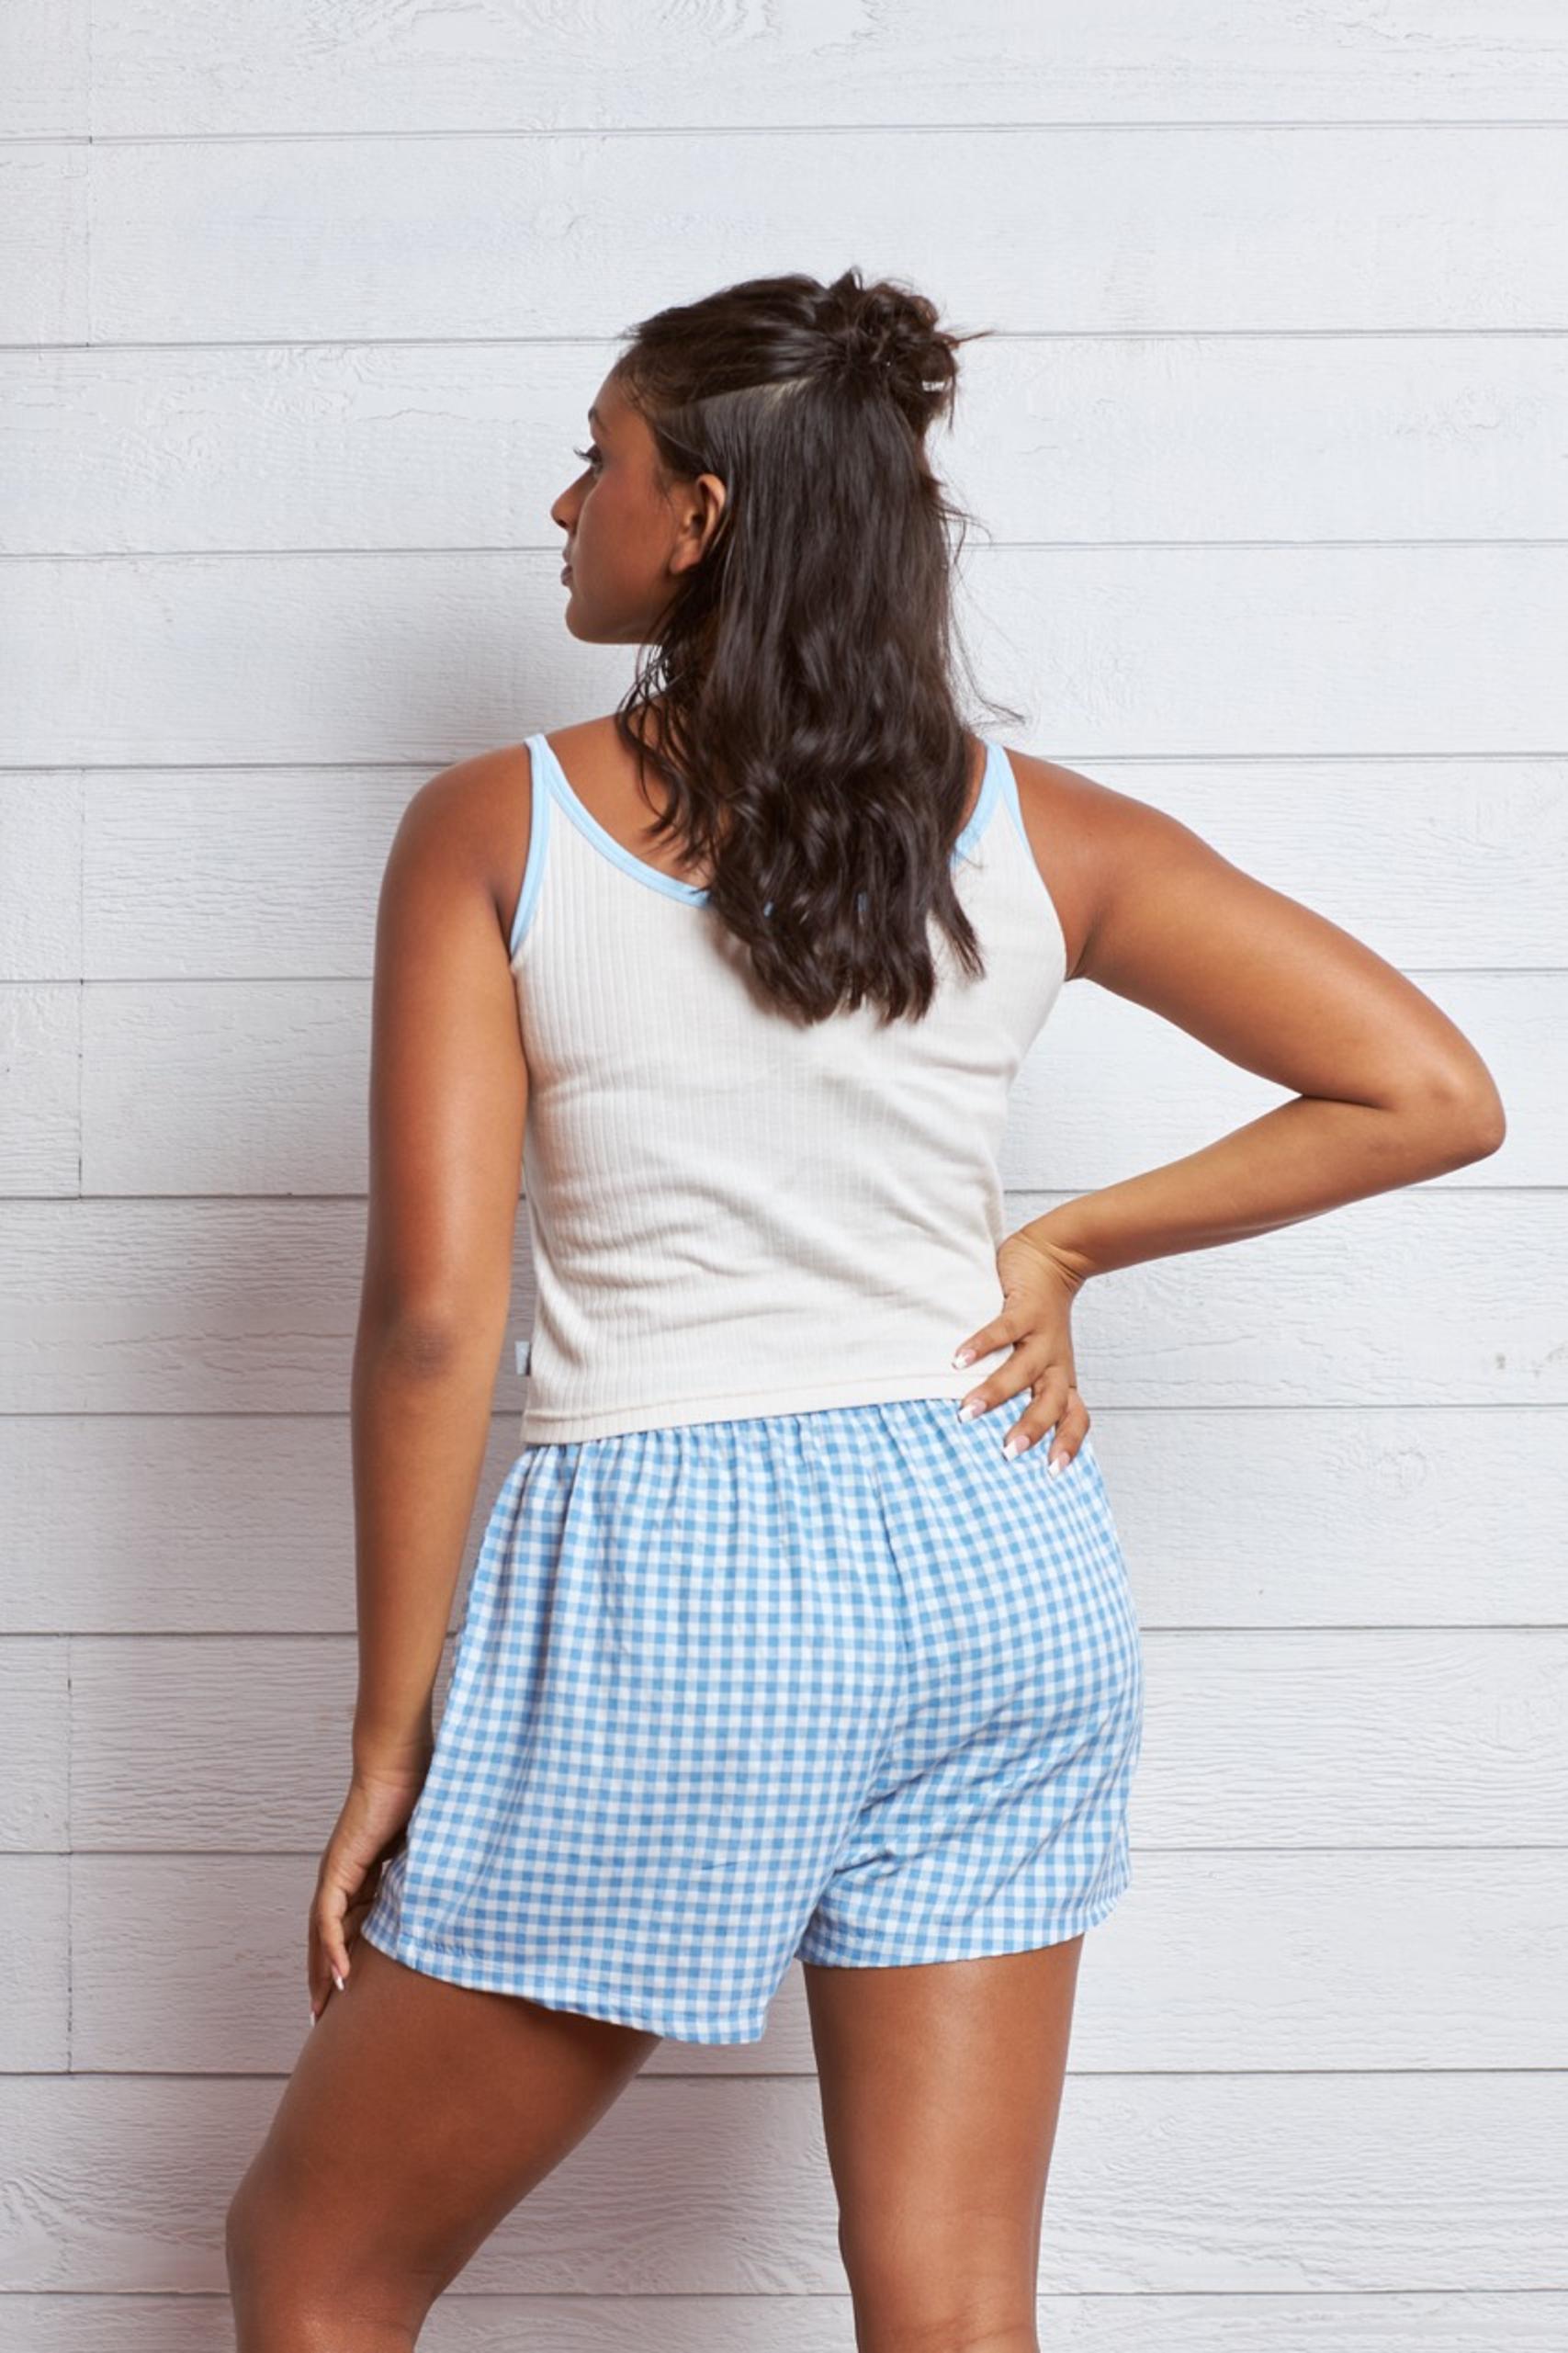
column 189, row 1522
column 1523, row 2320
column 45, row 198
column 1127, row 229
column 1179, row 436
column 1434, row 1294
column 1303, row 1737
column 1447, row 863
column 46, row 68
column 1387, row 650
column 717, row 2184
column 35, row 1967
column 257, row 1087
column 1216, row 1961
column 167, row 66
column 35, row 1744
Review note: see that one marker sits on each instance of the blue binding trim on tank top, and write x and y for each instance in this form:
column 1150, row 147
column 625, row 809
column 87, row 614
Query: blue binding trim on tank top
column 1010, row 794
column 989, row 794
column 998, row 783
column 583, row 817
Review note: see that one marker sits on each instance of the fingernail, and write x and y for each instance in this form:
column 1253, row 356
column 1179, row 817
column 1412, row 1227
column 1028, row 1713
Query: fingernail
column 964, row 1356
column 338, row 1982
column 1055, row 1466
column 1014, row 1445
column 967, row 1412
column 313, row 2017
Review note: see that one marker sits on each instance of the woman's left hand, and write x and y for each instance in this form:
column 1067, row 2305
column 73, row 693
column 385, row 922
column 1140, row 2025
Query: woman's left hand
column 365, row 1837
column 1039, row 1285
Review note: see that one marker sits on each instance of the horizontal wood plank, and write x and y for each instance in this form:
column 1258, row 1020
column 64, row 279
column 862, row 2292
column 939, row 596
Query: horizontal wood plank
column 1444, row 865
column 710, row 2186
column 209, row 1087
column 35, row 1965
column 1215, row 1962
column 1381, row 1738
column 47, row 68
column 161, row 66
column 1411, row 2322
column 43, row 866
column 1429, row 1296
column 1056, row 439
column 1391, row 651
column 520, row 234
column 243, row 1523
column 35, row 1744
column 45, row 199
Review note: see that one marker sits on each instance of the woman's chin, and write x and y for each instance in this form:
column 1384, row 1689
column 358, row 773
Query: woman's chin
column 581, row 624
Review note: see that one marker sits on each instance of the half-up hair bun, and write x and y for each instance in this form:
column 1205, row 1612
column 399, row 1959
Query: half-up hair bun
column 890, row 336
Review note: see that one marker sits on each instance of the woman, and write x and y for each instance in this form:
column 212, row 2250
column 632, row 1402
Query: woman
column 800, row 1629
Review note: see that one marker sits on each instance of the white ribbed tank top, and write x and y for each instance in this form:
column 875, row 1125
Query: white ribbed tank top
column 733, row 1213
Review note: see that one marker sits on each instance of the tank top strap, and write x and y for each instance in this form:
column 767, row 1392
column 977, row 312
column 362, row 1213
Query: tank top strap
column 1005, row 785
column 542, row 799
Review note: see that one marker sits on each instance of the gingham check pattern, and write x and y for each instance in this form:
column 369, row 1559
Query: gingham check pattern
column 846, row 1684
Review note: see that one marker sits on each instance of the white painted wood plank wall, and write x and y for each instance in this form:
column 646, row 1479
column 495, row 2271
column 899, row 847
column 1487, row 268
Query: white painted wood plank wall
column 300, row 312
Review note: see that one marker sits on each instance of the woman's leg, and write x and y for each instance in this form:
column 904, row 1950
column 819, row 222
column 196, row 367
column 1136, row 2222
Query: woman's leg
column 941, row 2087
column 417, row 2116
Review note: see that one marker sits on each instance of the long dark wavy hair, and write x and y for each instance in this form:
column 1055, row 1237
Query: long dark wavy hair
column 809, row 737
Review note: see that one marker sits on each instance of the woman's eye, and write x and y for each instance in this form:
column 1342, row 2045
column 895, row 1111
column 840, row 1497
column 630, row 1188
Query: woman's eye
column 588, row 456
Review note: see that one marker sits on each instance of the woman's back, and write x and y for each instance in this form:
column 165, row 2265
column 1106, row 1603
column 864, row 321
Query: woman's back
column 733, row 1213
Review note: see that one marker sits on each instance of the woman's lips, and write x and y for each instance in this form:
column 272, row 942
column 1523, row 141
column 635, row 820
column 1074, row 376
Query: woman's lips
column 566, row 572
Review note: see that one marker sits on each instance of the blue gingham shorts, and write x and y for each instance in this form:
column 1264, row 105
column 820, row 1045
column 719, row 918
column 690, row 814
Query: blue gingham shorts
column 845, row 1685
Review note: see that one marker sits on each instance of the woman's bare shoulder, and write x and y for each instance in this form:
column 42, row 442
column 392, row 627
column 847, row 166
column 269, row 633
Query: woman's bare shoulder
column 1077, row 829
column 472, row 820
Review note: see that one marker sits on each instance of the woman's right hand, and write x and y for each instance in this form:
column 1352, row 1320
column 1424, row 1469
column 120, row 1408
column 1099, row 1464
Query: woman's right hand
column 1039, row 1285
column 368, row 1831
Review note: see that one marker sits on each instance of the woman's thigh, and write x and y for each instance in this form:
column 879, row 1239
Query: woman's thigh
column 941, row 2084
column 418, row 2114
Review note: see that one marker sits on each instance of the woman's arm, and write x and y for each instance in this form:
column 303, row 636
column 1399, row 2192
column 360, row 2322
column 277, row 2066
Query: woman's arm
column 1387, row 1091
column 448, row 1099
